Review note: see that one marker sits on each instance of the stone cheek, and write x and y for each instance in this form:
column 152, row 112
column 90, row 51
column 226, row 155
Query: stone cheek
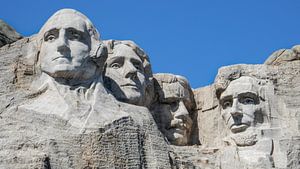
column 66, row 115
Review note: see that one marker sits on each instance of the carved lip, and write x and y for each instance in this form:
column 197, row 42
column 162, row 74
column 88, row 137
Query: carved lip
column 178, row 130
column 236, row 128
column 129, row 85
column 181, row 127
column 58, row 57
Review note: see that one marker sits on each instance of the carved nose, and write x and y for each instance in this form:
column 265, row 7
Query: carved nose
column 181, row 116
column 236, row 113
column 182, row 111
column 235, row 110
column 130, row 71
column 62, row 44
column 63, row 49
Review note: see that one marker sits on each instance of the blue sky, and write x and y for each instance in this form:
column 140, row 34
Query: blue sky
column 192, row 38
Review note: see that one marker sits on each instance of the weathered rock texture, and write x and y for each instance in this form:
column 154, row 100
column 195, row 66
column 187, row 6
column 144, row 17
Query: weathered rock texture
column 64, row 116
column 7, row 34
column 279, row 130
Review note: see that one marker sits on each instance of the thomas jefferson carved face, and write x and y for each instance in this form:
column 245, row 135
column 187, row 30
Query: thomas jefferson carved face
column 173, row 111
column 125, row 76
column 65, row 48
column 241, row 105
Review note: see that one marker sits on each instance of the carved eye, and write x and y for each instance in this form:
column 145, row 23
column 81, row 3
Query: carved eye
column 74, row 35
column 247, row 100
column 137, row 65
column 115, row 65
column 50, row 37
column 226, row 104
column 174, row 106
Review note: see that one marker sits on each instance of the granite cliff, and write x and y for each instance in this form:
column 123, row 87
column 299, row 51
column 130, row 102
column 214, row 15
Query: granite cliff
column 69, row 99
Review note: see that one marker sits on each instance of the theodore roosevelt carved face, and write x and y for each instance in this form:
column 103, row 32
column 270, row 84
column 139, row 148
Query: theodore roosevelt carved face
column 241, row 105
column 173, row 111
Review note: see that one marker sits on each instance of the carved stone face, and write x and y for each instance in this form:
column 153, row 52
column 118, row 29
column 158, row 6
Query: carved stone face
column 240, row 104
column 124, row 75
column 174, row 118
column 65, row 48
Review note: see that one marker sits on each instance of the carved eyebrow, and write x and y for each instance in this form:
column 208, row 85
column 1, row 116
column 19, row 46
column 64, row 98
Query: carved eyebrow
column 168, row 100
column 227, row 97
column 114, row 59
column 75, row 30
column 248, row 94
column 54, row 30
column 137, row 61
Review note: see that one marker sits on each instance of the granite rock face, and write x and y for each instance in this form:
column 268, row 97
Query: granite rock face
column 7, row 34
column 69, row 99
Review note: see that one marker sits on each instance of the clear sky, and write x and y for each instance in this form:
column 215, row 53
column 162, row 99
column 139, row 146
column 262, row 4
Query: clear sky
column 192, row 38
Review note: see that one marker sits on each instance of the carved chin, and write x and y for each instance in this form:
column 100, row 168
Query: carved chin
column 180, row 139
column 61, row 70
column 177, row 136
column 132, row 96
column 132, row 93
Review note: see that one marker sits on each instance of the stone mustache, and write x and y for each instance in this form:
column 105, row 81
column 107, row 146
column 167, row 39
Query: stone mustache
column 77, row 101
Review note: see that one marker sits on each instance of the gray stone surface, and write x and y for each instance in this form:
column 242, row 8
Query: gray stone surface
column 259, row 147
column 128, row 74
column 7, row 34
column 70, row 100
column 174, row 109
column 61, row 116
column 284, row 55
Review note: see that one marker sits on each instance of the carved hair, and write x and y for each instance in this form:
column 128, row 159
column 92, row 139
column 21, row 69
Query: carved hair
column 111, row 44
column 89, row 25
column 221, row 85
column 139, row 51
column 171, row 78
column 98, row 52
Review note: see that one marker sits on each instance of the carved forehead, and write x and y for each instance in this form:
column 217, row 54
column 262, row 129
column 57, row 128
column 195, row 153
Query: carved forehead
column 173, row 86
column 65, row 21
column 241, row 85
column 112, row 44
column 124, row 51
column 67, row 18
column 174, row 90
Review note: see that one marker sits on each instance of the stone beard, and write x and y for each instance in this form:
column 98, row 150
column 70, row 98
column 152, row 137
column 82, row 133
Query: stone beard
column 242, row 109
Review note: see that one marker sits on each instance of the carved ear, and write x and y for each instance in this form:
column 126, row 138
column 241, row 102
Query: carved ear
column 149, row 93
column 262, row 93
column 99, row 54
column 31, row 56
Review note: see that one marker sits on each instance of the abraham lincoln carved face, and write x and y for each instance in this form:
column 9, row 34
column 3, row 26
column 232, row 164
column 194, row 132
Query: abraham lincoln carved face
column 241, row 105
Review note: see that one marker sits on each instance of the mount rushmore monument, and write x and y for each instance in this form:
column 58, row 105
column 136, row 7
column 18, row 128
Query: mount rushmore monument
column 72, row 100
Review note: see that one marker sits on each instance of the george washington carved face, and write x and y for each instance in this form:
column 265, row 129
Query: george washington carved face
column 66, row 45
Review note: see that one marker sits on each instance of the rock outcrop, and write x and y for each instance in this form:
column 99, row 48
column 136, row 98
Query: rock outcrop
column 71, row 100
column 7, row 34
